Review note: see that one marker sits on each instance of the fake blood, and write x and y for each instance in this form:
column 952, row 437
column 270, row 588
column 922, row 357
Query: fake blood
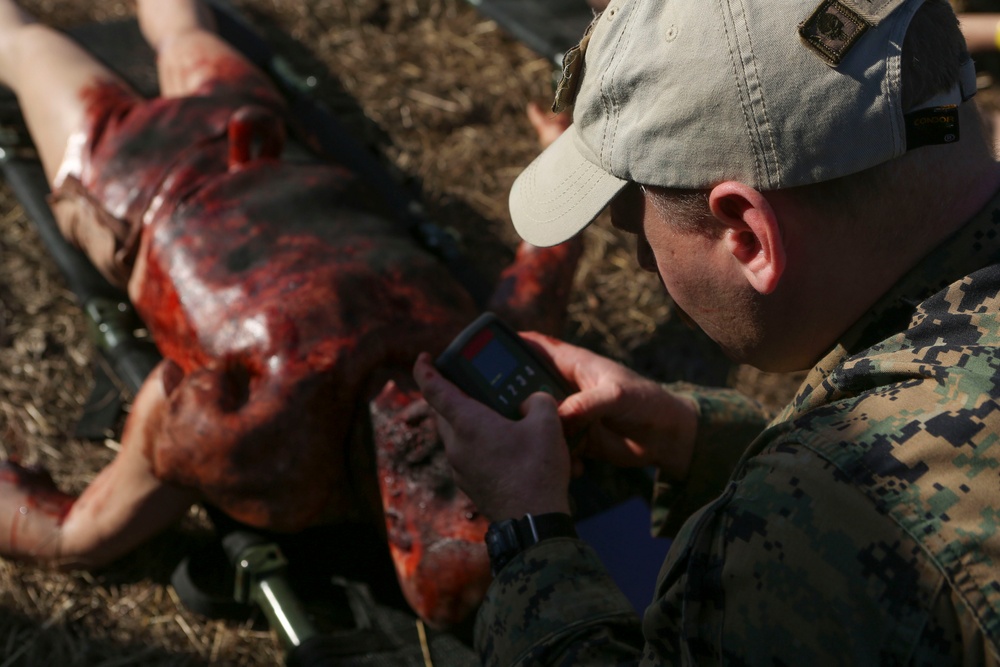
column 40, row 491
column 435, row 533
column 293, row 309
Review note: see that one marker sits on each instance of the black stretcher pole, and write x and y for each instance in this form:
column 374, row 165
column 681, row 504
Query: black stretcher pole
column 111, row 318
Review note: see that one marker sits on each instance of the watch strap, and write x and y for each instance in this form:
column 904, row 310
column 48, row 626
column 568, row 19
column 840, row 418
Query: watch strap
column 506, row 539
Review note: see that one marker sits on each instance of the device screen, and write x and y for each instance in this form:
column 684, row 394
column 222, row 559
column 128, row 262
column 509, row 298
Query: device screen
column 493, row 364
column 489, row 356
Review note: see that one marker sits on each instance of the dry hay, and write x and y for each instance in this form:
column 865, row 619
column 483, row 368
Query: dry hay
column 441, row 93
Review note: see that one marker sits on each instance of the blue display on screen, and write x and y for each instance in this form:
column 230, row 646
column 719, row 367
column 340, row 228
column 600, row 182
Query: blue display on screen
column 494, row 362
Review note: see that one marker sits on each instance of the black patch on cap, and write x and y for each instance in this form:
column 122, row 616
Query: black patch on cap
column 935, row 125
column 832, row 30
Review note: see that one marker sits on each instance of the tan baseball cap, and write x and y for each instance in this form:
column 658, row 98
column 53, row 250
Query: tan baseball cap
column 688, row 93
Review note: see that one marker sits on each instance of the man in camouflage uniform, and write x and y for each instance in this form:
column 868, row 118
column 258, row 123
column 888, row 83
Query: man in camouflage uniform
column 808, row 200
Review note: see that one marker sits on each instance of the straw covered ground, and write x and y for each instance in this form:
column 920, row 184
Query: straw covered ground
column 437, row 91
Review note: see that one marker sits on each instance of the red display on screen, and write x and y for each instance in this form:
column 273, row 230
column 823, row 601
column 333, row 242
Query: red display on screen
column 476, row 345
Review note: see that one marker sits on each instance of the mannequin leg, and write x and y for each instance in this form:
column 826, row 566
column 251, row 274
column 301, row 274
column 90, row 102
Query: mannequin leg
column 47, row 71
column 190, row 55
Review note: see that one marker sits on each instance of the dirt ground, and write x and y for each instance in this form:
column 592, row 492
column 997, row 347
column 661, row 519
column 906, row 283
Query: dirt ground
column 438, row 92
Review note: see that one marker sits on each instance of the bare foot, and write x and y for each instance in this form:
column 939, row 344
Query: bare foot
column 162, row 22
column 12, row 18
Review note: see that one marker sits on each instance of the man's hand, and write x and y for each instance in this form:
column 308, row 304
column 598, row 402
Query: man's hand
column 508, row 468
column 628, row 420
column 511, row 468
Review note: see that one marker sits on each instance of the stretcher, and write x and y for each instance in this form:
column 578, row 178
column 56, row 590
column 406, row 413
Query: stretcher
column 286, row 575
column 328, row 604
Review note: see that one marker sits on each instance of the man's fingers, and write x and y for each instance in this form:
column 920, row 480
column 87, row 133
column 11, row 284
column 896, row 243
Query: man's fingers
column 568, row 359
column 591, row 404
column 435, row 388
column 453, row 404
column 539, row 405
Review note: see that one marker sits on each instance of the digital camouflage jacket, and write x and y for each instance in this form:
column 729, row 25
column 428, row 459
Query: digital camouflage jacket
column 860, row 527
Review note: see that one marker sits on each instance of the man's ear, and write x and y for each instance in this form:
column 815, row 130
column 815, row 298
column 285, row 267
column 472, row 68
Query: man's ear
column 752, row 233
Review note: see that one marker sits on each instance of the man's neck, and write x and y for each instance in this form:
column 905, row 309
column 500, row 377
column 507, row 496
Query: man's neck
column 844, row 265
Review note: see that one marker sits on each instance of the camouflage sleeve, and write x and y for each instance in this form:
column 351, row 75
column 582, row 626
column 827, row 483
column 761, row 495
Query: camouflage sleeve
column 791, row 564
column 556, row 604
column 795, row 565
column 727, row 422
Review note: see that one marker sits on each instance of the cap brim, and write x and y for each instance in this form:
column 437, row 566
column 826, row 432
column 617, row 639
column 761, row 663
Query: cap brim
column 560, row 193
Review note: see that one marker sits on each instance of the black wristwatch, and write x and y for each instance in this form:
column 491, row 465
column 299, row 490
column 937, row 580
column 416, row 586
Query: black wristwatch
column 506, row 539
